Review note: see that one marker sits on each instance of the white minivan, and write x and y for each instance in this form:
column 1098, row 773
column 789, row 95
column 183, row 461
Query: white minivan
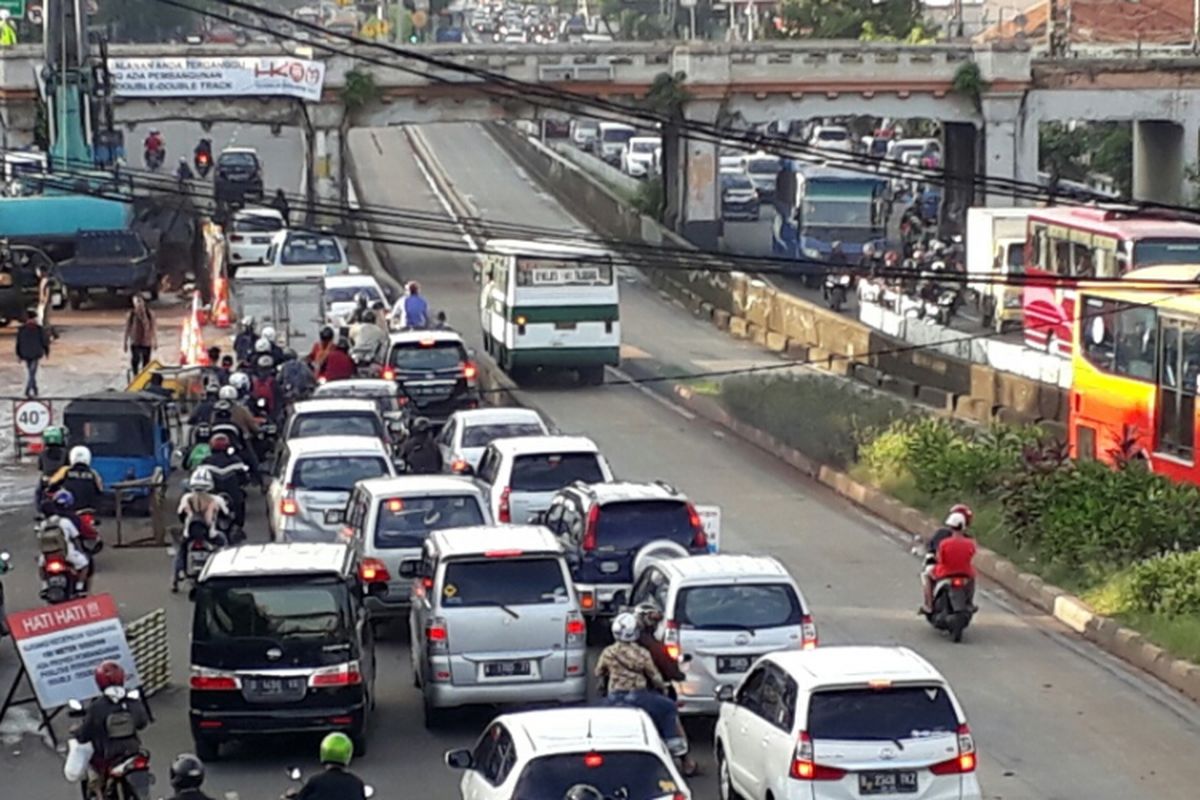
column 550, row 305
column 612, row 139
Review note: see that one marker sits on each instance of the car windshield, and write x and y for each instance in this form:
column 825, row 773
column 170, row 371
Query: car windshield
column 613, row 774
column 629, row 525
column 763, row 166
column 738, row 606
column 833, row 135
column 482, row 435
column 336, row 423
column 306, row 250
column 549, row 472
column 349, row 294
column 238, row 160
column 406, row 521
column 504, row 580
column 621, row 135
column 417, row 356
column 644, row 147
column 269, row 611
column 1148, row 252
column 257, row 223
column 336, row 473
column 121, row 246
column 905, row 712
column 735, row 180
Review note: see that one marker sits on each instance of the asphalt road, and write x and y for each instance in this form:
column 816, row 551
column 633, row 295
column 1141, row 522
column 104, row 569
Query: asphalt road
column 1053, row 717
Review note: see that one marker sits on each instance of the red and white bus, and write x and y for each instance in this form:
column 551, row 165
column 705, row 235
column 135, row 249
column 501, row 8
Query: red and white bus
column 1069, row 243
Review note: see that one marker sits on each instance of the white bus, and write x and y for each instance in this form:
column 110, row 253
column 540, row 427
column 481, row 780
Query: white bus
column 550, row 305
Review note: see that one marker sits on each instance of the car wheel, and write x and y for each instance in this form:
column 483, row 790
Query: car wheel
column 75, row 301
column 207, row 750
column 724, row 781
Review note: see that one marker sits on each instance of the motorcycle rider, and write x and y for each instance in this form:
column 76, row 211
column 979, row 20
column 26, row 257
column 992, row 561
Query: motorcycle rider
column 108, row 732
column 295, row 378
column 320, row 350
column 243, row 343
column 957, row 521
column 628, row 674
column 187, row 775
column 336, row 781
column 204, row 146
column 154, row 146
column 649, row 618
column 229, row 475
column 204, row 408
column 52, row 458
column 276, row 351
column 64, row 517
column 184, row 171
column 229, row 408
column 419, row 451
column 370, row 341
column 80, row 479
column 338, row 364
column 264, row 385
column 198, row 504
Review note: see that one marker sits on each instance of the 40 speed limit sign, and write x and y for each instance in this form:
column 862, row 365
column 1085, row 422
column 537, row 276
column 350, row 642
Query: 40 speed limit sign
column 31, row 417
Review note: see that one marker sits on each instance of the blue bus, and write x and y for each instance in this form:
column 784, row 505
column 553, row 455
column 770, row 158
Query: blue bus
column 816, row 206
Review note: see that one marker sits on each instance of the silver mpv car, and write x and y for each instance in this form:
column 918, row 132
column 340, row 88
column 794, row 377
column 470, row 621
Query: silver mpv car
column 495, row 620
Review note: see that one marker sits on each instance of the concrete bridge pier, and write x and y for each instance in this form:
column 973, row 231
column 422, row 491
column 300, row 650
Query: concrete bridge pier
column 697, row 167
column 1010, row 147
column 328, row 176
column 1162, row 151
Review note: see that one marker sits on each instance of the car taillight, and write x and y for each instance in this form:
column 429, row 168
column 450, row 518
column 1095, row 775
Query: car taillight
column 55, row 566
column 587, row 600
column 470, row 372
column 589, row 532
column 389, row 374
column 805, row 769
column 372, row 570
column 458, row 465
column 505, row 514
column 436, row 635
column 699, row 537
column 671, row 639
column 576, row 629
column 347, row 674
column 288, row 507
column 237, row 237
column 965, row 760
column 210, row 680
column 808, row 633
column 958, row 583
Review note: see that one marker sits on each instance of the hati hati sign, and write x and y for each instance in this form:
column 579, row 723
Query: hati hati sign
column 277, row 76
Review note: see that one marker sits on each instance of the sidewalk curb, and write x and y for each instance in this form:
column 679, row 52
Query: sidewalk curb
column 1112, row 637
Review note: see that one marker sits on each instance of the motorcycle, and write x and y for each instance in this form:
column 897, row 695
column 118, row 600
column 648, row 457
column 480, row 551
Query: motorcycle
column 952, row 608
column 130, row 777
column 199, row 544
column 60, row 581
column 89, row 535
column 295, row 775
column 836, row 288
column 155, row 159
column 203, row 163
column 268, row 432
column 5, row 566
column 947, row 304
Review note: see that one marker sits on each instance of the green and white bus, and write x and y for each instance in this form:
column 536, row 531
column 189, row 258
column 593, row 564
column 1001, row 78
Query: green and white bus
column 550, row 306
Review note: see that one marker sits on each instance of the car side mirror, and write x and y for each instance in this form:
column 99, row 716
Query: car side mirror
column 377, row 589
column 409, row 569
column 459, row 759
column 725, row 694
column 335, row 517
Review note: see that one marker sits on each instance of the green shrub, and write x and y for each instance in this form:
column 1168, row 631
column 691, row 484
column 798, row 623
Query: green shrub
column 1168, row 585
column 820, row 416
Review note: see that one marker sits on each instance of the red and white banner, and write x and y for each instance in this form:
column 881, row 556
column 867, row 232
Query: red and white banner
column 62, row 645
column 251, row 76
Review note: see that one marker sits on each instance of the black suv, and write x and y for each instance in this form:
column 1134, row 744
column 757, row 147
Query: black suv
column 433, row 369
column 239, row 177
column 281, row 644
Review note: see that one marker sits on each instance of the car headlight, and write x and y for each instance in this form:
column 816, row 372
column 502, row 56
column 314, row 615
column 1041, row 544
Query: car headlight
column 810, row 252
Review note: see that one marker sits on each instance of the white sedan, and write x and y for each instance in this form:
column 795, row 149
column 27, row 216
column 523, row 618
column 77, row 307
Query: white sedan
column 467, row 433
column 250, row 235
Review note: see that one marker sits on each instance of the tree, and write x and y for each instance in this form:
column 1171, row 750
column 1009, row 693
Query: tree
column 848, row 19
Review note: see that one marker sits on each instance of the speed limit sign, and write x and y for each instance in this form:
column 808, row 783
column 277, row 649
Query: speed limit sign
column 32, row 417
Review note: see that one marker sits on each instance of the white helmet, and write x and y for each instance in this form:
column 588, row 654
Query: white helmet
column 956, row 521
column 81, row 455
column 625, row 627
column 263, row 345
column 239, row 381
column 201, row 480
column 268, row 333
column 227, row 393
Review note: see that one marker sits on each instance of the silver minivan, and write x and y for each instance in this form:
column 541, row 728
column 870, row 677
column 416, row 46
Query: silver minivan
column 720, row 614
column 389, row 519
column 495, row 620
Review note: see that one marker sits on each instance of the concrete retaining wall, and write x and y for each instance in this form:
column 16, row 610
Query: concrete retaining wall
column 753, row 308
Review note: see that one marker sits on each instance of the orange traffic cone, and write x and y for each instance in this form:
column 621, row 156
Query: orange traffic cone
column 221, row 315
column 191, row 338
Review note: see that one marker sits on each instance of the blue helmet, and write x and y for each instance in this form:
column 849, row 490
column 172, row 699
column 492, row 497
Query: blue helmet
column 64, row 500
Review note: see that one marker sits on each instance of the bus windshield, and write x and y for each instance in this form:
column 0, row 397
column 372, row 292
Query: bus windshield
column 557, row 272
column 1149, row 252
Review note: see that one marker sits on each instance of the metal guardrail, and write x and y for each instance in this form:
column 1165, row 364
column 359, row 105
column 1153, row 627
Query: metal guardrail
column 147, row 637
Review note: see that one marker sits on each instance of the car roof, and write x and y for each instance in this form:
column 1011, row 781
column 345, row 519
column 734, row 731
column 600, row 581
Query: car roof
column 437, row 335
column 334, row 445
column 581, row 729
column 524, row 247
column 249, row 150
column 485, row 416
column 353, row 279
column 269, row 560
column 519, row 445
column 722, row 567
column 319, row 405
column 621, row 491
column 258, row 211
column 478, row 540
column 855, row 664
column 334, row 389
column 419, row 485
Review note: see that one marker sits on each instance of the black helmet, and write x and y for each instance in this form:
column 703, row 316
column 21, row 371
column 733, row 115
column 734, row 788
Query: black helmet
column 420, row 425
column 327, row 334
column 187, row 772
column 369, row 317
column 343, row 344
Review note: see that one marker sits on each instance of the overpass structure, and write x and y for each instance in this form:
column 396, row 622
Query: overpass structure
column 991, row 127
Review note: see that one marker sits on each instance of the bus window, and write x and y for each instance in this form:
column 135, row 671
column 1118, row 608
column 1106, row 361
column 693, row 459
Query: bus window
column 1061, row 256
column 1106, row 263
column 1099, row 323
column 1136, row 343
column 1082, row 265
column 1177, row 388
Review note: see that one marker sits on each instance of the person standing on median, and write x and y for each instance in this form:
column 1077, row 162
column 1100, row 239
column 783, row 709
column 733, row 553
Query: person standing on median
column 141, row 335
column 32, row 346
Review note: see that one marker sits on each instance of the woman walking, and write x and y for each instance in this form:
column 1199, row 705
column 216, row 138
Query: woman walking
column 141, row 335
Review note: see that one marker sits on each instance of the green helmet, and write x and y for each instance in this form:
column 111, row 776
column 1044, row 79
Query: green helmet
column 336, row 748
column 54, row 435
column 199, row 453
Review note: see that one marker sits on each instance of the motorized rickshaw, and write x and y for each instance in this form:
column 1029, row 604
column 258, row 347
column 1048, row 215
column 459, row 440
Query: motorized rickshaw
column 129, row 434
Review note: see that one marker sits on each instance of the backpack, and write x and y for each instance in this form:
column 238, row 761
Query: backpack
column 51, row 538
column 263, row 389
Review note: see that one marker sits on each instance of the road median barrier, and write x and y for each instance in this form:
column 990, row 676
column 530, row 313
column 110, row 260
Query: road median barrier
column 1107, row 634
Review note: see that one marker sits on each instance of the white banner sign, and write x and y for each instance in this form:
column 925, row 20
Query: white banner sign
column 278, row 76
column 62, row 645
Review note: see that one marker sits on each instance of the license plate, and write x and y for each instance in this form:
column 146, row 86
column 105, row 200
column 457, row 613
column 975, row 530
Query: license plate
column 505, row 669
column 57, row 580
column 733, row 663
column 278, row 686
column 259, row 240
column 564, row 326
column 610, row 567
column 331, row 516
column 199, row 558
column 897, row 782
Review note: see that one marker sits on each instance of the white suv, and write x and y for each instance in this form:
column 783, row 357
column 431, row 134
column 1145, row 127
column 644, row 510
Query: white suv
column 843, row 722
column 522, row 474
column 543, row 754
